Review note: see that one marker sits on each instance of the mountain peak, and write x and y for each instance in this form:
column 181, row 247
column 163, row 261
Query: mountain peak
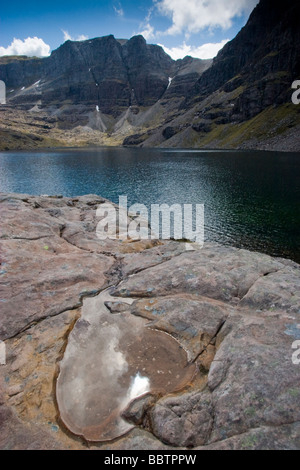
column 128, row 89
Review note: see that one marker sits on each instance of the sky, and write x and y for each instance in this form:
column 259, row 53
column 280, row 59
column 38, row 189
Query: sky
column 199, row 28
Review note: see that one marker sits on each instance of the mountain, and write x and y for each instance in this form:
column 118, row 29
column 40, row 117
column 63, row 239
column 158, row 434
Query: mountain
column 105, row 72
column 244, row 98
column 108, row 91
column 98, row 72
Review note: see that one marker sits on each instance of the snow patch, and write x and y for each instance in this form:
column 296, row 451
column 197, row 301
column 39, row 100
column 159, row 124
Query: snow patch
column 170, row 81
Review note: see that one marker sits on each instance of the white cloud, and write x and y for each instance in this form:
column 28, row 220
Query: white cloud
column 68, row 37
column 193, row 16
column 148, row 32
column 81, row 37
column 206, row 51
column 29, row 47
column 146, row 29
column 119, row 10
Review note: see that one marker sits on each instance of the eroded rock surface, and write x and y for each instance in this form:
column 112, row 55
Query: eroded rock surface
column 234, row 312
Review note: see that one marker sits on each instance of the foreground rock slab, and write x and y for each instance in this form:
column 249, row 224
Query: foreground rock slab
column 236, row 314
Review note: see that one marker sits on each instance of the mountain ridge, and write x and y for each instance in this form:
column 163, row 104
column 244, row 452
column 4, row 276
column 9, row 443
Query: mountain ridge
column 104, row 71
column 108, row 91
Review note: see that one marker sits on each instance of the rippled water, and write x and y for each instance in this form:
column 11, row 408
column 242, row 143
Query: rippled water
column 252, row 199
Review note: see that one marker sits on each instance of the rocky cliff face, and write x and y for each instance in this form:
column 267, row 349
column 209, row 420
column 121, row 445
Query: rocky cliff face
column 244, row 98
column 107, row 91
column 102, row 72
column 263, row 59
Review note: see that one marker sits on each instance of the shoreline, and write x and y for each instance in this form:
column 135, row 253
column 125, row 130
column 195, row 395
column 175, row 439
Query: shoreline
column 263, row 148
column 295, row 258
column 167, row 149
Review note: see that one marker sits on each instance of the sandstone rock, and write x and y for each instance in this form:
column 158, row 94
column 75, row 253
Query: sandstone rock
column 29, row 411
column 217, row 272
column 174, row 420
column 193, row 322
column 47, row 274
column 241, row 382
column 137, row 409
column 236, row 313
column 138, row 439
column 263, row 438
column 276, row 291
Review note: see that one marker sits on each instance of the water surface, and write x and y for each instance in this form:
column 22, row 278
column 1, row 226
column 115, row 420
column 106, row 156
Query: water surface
column 252, row 199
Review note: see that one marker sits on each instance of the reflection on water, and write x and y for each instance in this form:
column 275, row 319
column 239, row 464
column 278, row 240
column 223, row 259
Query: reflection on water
column 252, row 199
column 110, row 360
column 139, row 386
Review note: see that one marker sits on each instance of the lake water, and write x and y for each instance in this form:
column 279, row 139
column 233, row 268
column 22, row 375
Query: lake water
column 252, row 199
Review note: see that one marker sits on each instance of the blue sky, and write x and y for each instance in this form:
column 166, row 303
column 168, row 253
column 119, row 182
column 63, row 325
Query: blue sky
column 195, row 27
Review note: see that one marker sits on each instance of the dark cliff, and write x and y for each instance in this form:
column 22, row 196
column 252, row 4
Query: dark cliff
column 243, row 100
column 263, row 58
column 105, row 72
column 107, row 91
